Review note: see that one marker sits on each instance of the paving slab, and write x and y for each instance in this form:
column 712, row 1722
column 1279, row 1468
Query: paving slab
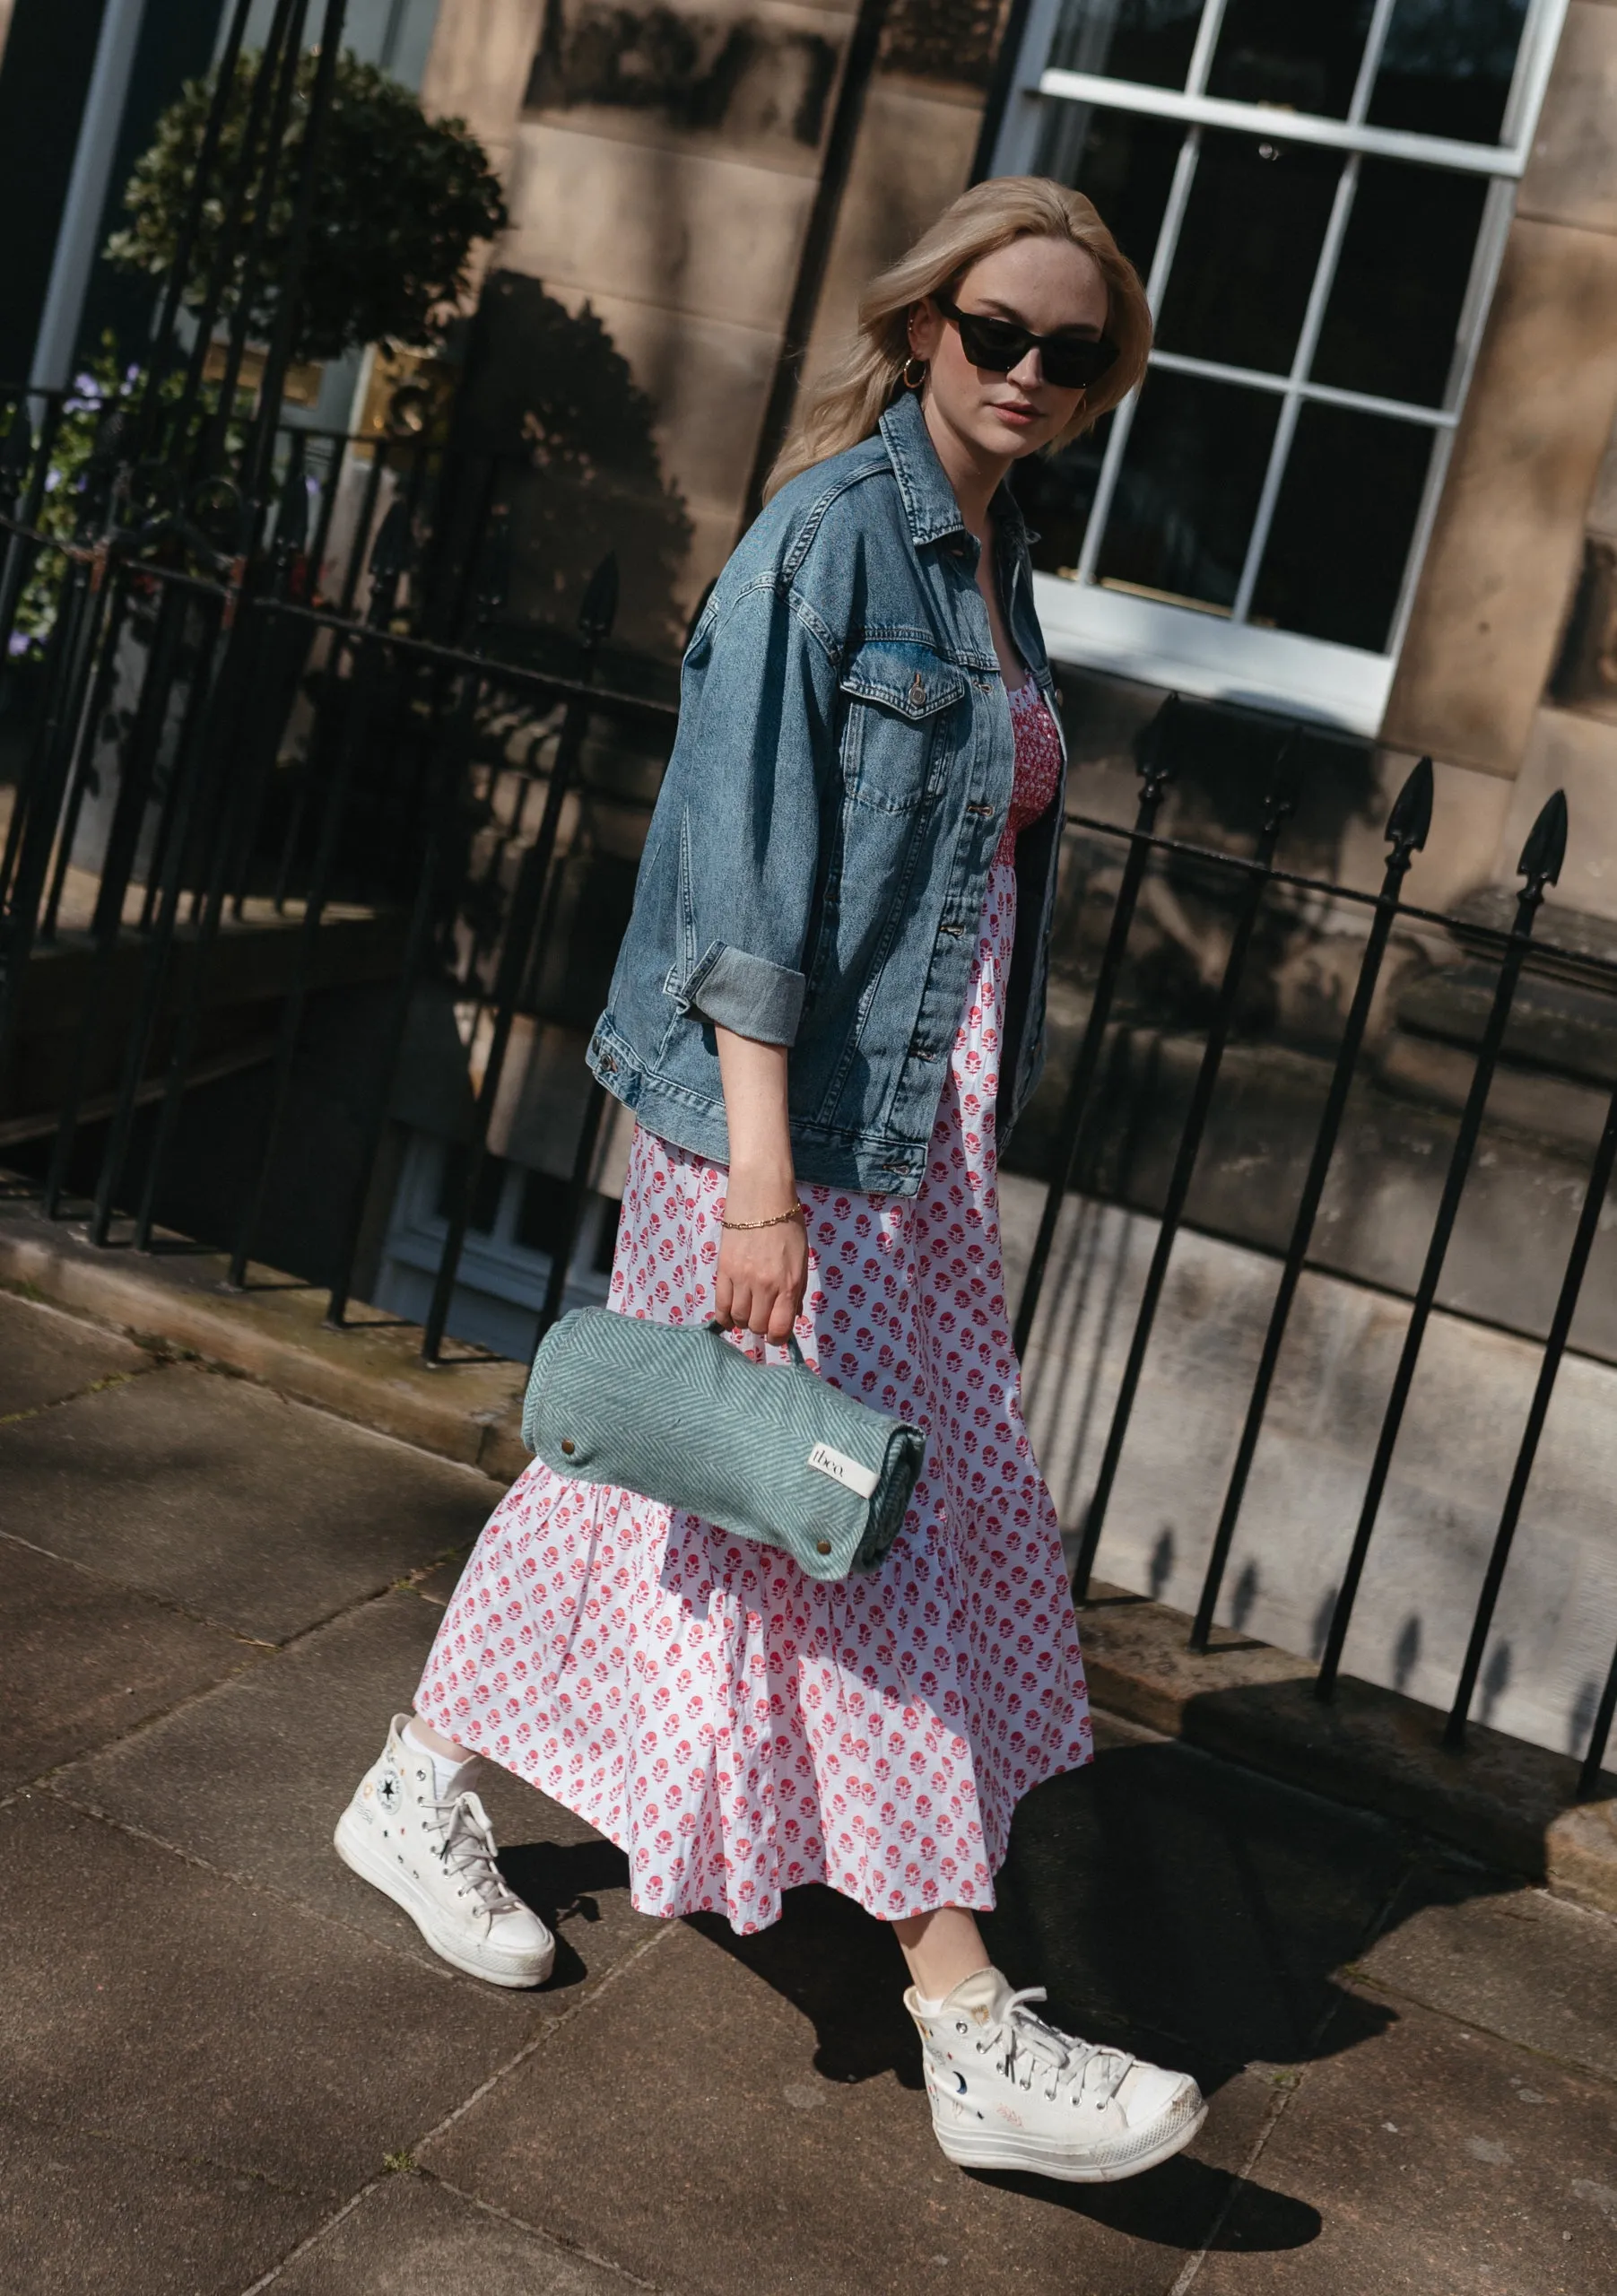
column 719, row 2121
column 1442, row 2163
column 252, row 1779
column 411, row 2238
column 46, row 1356
column 262, row 1515
column 1514, row 1961
column 205, row 2021
column 439, row 1584
column 87, row 1660
column 83, row 2209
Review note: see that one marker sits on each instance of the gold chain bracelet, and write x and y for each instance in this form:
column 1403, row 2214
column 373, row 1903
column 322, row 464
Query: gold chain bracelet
column 779, row 1220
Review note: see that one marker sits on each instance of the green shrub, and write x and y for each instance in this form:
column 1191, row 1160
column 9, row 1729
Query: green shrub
column 399, row 202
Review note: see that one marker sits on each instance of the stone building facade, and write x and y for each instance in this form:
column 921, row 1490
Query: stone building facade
column 1370, row 481
column 665, row 162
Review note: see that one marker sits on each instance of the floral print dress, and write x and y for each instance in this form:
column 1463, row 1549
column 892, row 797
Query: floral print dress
column 736, row 1727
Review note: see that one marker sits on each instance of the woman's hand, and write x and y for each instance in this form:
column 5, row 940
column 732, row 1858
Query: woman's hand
column 762, row 1271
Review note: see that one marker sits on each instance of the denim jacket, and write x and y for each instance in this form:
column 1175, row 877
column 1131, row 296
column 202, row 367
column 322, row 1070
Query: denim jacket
column 816, row 865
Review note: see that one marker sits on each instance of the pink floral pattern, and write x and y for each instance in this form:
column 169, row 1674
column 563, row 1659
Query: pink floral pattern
column 736, row 1727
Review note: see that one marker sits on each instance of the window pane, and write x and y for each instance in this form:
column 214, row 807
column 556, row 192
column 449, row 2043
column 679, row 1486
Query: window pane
column 1125, row 164
column 1188, row 489
column 1390, row 324
column 1304, row 54
column 1447, row 67
column 1056, row 493
column 1128, row 39
column 1342, row 530
column 1247, row 252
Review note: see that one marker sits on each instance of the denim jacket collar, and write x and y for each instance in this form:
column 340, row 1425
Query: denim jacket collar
column 923, row 487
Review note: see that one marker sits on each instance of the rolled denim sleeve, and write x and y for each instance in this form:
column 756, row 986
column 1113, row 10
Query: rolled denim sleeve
column 751, row 995
column 753, row 752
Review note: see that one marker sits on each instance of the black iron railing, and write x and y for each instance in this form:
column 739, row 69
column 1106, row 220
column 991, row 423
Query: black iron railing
column 228, row 718
column 1251, row 878
column 408, row 704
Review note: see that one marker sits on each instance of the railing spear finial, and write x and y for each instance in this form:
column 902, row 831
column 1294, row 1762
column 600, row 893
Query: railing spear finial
column 1409, row 825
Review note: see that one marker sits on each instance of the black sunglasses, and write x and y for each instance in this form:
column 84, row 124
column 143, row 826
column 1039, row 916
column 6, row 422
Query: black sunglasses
column 1072, row 362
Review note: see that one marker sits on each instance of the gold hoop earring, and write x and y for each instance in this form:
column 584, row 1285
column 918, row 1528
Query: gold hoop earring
column 913, row 382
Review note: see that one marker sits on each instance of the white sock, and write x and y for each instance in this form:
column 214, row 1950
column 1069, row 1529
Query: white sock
column 448, row 1776
column 933, row 2008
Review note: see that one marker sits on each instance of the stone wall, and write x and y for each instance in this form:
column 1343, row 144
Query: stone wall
column 661, row 159
column 1529, row 502
column 660, row 163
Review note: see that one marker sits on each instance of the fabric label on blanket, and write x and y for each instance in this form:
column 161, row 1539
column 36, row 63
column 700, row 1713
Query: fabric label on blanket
column 841, row 1469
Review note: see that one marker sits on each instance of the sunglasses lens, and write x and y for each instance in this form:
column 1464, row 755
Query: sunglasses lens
column 993, row 344
column 1074, row 366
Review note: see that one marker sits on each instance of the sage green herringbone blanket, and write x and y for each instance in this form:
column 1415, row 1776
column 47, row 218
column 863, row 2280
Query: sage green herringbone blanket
column 768, row 1452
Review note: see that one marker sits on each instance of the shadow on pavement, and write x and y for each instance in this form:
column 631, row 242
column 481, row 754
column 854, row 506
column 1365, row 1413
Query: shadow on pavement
column 1180, row 2206
column 1167, row 1900
column 1164, row 1900
column 563, row 1881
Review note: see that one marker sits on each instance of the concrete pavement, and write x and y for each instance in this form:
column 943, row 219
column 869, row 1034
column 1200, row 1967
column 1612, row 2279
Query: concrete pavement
column 230, row 2066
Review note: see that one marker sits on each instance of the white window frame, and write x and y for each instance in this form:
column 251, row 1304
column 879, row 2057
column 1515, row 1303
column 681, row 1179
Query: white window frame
column 1209, row 653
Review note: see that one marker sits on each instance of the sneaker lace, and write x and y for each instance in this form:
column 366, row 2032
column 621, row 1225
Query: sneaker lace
column 1029, row 2047
column 468, row 1852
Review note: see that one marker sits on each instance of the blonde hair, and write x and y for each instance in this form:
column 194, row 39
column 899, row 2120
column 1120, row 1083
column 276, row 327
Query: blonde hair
column 851, row 399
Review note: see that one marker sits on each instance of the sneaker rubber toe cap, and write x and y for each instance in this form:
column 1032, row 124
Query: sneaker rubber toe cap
column 1154, row 2093
column 520, row 1940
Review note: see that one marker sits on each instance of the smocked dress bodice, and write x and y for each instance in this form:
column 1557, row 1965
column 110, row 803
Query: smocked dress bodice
column 1038, row 763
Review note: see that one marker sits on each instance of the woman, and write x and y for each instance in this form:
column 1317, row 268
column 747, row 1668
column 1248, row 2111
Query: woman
column 830, row 997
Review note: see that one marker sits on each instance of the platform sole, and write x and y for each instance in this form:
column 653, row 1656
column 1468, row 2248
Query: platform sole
column 361, row 1858
column 984, row 2148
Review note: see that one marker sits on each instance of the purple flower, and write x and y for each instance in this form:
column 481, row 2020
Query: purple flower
column 19, row 642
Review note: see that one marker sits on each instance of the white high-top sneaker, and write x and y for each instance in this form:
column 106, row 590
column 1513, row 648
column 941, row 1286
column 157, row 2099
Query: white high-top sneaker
column 1009, row 2091
column 437, row 1860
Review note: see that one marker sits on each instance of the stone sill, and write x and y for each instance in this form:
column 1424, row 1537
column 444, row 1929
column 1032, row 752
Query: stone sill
column 1503, row 1800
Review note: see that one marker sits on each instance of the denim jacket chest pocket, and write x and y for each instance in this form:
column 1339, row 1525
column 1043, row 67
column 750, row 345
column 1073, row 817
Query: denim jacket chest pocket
column 898, row 697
